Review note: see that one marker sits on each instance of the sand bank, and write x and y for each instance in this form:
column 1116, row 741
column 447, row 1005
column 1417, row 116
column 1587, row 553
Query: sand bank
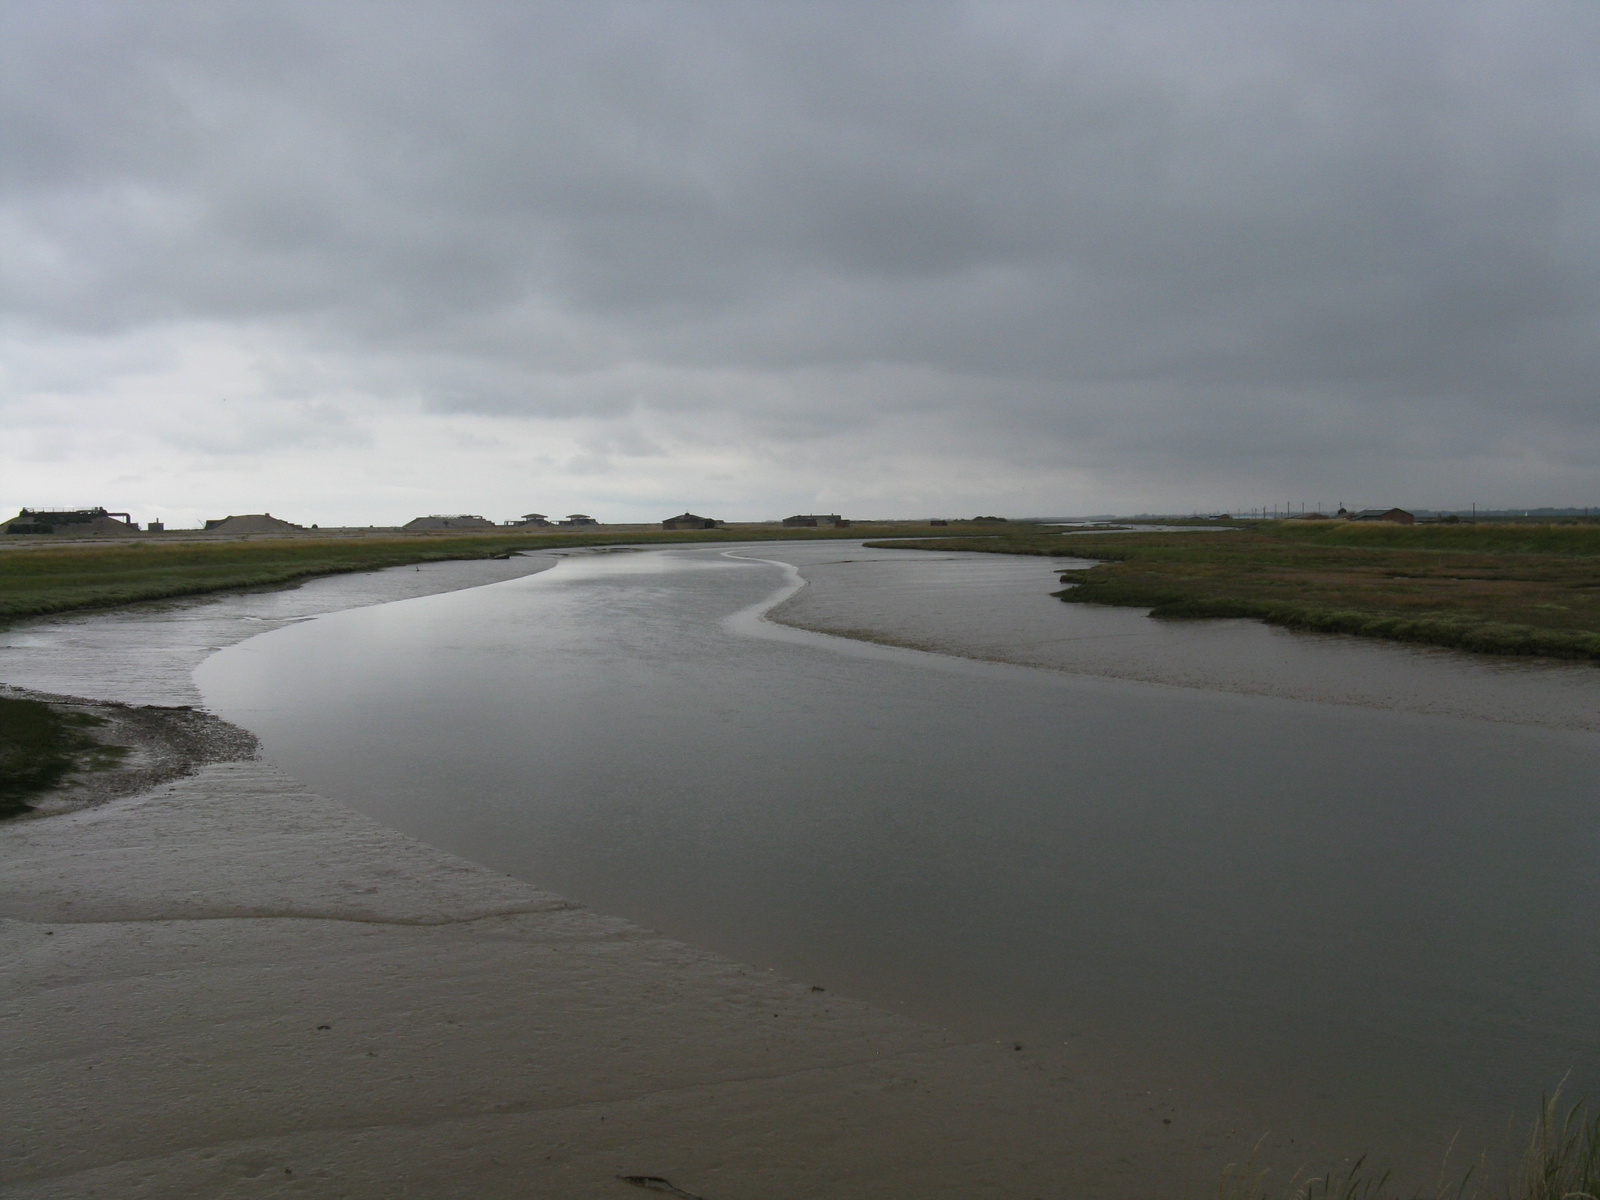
column 226, row 986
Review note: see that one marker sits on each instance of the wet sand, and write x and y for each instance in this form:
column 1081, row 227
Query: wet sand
column 231, row 987
column 228, row 986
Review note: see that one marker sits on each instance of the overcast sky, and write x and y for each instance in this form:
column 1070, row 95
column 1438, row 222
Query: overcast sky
column 355, row 262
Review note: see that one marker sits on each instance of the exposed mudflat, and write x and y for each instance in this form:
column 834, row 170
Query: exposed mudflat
column 162, row 743
column 230, row 987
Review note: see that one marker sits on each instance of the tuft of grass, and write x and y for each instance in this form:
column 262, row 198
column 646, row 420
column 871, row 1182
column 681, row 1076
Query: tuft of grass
column 1562, row 1161
column 40, row 746
column 1355, row 1182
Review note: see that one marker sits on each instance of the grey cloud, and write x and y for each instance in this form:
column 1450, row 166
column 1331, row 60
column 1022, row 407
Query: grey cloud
column 1152, row 236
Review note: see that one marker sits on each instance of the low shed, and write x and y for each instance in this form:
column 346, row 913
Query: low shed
column 689, row 520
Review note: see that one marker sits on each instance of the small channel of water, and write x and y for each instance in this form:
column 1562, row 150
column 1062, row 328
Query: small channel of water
column 1374, row 927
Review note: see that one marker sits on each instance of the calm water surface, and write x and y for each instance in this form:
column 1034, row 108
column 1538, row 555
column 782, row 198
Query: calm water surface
column 1367, row 925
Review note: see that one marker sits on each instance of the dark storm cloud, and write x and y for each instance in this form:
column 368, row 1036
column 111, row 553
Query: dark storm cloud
column 1165, row 238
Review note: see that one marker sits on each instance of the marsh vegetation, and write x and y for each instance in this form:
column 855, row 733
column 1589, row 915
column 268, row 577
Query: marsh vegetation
column 40, row 746
column 1495, row 588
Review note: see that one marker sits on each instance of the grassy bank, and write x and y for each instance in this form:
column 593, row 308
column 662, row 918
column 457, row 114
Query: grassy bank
column 39, row 747
column 1502, row 589
column 36, row 580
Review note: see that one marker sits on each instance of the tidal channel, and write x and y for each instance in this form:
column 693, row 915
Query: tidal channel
column 1375, row 928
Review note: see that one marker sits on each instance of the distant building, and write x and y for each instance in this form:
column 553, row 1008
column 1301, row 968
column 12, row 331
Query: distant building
column 688, row 520
column 1398, row 515
column 252, row 523
column 938, row 522
column 72, row 522
column 443, row 521
column 816, row 521
column 537, row 520
column 576, row 519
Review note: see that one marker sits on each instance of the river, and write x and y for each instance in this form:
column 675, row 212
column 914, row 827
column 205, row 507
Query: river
column 1371, row 927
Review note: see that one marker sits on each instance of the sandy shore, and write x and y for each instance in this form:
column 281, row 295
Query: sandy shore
column 226, row 986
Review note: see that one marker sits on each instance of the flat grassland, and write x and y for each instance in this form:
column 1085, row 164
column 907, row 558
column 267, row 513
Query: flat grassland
column 1494, row 588
column 38, row 579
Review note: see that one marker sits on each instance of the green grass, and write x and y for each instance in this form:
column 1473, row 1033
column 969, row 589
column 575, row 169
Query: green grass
column 1500, row 589
column 39, row 747
column 38, row 580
